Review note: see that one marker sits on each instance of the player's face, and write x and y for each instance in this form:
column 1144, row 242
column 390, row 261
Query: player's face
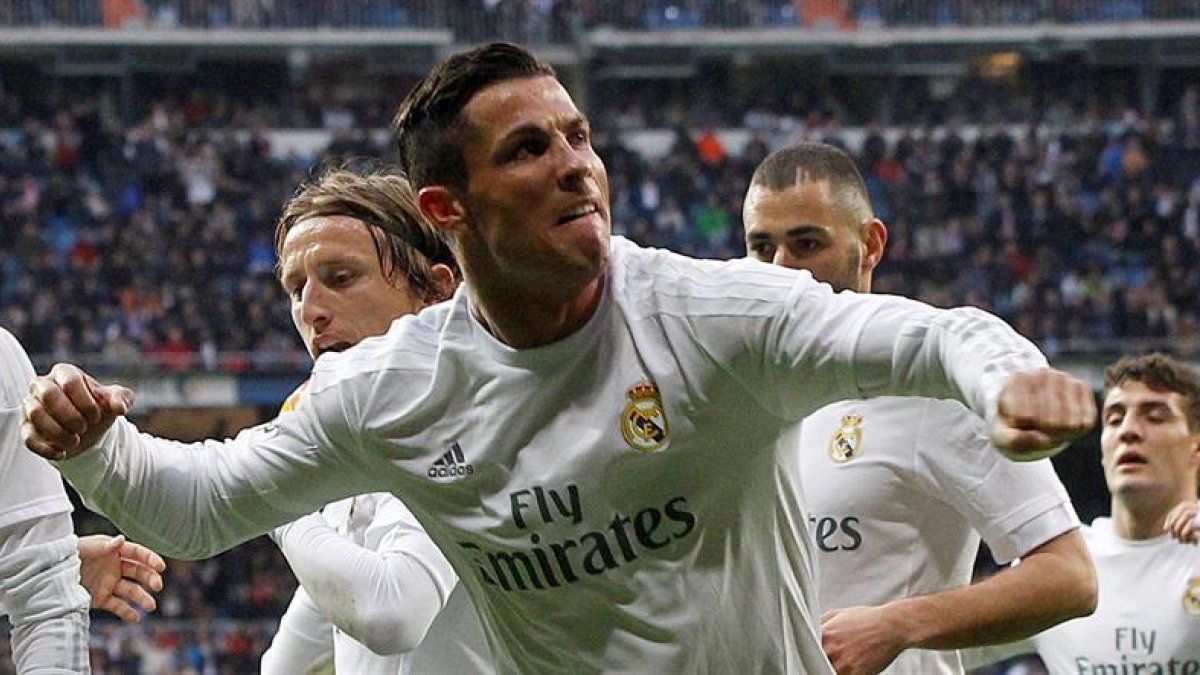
column 802, row 227
column 339, row 294
column 1145, row 442
column 536, row 200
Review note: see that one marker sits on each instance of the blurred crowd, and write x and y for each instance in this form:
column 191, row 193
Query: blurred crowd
column 564, row 21
column 149, row 244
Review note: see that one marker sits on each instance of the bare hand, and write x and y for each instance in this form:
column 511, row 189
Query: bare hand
column 861, row 640
column 1040, row 411
column 119, row 575
column 1181, row 523
column 67, row 411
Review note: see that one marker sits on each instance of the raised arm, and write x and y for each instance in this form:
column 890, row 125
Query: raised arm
column 865, row 345
column 384, row 596
column 188, row 500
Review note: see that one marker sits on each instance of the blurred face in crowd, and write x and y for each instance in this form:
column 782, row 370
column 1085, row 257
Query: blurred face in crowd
column 805, row 227
column 535, row 208
column 339, row 294
column 1148, row 450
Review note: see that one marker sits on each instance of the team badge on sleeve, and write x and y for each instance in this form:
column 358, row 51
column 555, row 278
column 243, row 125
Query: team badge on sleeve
column 643, row 422
column 846, row 443
column 1191, row 596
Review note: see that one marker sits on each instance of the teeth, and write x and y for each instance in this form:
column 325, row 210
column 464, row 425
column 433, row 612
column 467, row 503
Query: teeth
column 581, row 210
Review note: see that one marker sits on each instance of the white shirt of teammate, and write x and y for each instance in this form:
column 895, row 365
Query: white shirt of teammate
column 368, row 569
column 899, row 490
column 624, row 499
column 1147, row 620
column 39, row 565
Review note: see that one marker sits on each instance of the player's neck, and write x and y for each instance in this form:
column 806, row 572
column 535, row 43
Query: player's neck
column 1141, row 517
column 525, row 320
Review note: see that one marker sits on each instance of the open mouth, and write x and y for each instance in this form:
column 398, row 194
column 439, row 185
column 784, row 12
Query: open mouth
column 577, row 212
column 333, row 347
column 1131, row 458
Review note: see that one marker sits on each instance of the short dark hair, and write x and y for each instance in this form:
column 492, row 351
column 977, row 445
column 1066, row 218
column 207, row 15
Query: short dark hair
column 1160, row 373
column 428, row 126
column 814, row 162
column 381, row 198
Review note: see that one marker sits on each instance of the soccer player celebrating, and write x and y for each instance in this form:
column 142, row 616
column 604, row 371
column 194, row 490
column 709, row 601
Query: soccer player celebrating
column 600, row 438
column 1148, row 618
column 900, row 489
column 48, row 577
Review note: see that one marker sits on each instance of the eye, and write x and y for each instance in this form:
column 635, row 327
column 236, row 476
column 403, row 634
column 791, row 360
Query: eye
column 580, row 137
column 341, row 279
column 527, row 148
column 294, row 290
column 762, row 250
column 807, row 246
column 1113, row 419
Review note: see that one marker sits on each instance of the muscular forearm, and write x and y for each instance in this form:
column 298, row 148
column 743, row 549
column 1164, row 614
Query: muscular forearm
column 386, row 601
column 1053, row 583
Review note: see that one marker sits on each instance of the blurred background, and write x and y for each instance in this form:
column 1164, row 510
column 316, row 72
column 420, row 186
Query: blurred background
column 1037, row 158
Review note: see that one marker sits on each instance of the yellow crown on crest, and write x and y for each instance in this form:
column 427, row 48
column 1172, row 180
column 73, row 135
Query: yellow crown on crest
column 643, row 390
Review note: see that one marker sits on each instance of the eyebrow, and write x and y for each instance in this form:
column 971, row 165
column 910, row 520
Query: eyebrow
column 798, row 229
column 1143, row 406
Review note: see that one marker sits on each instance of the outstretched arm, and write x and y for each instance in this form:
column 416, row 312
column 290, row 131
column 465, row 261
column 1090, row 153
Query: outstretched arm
column 119, row 575
column 1053, row 583
column 192, row 500
column 385, row 594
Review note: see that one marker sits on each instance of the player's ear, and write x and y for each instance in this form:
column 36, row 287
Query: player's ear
column 875, row 236
column 444, row 282
column 441, row 207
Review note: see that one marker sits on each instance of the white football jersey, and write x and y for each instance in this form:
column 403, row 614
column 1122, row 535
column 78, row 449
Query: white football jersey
column 625, row 499
column 1147, row 619
column 899, row 491
column 29, row 486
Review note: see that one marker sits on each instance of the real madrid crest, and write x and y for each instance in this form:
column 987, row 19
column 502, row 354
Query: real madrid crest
column 1191, row 596
column 846, row 443
column 643, row 422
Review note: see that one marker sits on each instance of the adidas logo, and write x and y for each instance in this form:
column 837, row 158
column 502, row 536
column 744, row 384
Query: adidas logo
column 451, row 464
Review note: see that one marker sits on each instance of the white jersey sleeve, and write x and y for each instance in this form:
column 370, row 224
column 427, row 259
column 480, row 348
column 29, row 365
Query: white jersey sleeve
column 813, row 347
column 39, row 565
column 304, row 641
column 31, row 487
column 213, row 495
column 385, row 595
column 1015, row 506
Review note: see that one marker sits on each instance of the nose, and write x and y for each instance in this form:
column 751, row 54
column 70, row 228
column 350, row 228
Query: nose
column 1129, row 431
column 782, row 258
column 314, row 311
column 577, row 165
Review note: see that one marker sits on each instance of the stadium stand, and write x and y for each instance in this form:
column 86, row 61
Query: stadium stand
column 1039, row 159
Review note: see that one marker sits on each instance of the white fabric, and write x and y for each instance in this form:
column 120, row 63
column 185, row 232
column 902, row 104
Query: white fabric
column 1147, row 619
column 304, row 641
column 372, row 583
column 583, row 550
column 39, row 565
column 903, row 515
column 31, row 487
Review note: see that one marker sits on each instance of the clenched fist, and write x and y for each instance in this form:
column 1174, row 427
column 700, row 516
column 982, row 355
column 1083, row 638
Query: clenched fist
column 67, row 411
